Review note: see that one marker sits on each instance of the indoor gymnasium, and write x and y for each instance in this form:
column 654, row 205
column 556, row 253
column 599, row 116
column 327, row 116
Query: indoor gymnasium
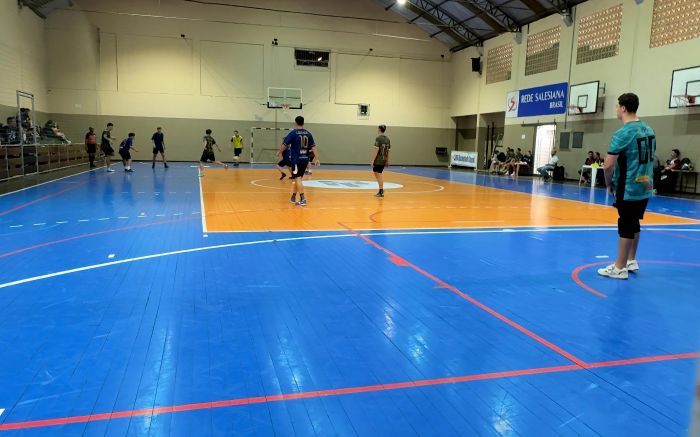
column 367, row 217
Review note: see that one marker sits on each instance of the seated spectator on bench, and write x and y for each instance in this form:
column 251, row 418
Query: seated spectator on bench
column 513, row 167
column 510, row 158
column 51, row 131
column 545, row 169
column 497, row 159
column 667, row 177
column 10, row 132
column 586, row 173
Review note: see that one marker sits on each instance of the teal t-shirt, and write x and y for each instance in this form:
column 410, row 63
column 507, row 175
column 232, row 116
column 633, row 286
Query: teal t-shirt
column 635, row 145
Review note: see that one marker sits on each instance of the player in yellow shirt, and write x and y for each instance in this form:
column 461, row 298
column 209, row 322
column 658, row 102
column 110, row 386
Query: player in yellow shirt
column 237, row 144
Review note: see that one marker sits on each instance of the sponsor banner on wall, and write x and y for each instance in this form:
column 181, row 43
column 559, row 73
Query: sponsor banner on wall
column 541, row 100
column 464, row 159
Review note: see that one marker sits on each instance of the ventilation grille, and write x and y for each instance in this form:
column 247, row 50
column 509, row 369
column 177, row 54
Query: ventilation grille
column 543, row 51
column 312, row 58
column 499, row 63
column 599, row 35
column 674, row 21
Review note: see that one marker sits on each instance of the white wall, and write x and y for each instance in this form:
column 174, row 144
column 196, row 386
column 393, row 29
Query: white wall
column 22, row 55
column 106, row 58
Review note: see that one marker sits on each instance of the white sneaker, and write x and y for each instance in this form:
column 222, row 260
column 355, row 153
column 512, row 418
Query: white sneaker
column 111, row 170
column 613, row 272
column 632, row 266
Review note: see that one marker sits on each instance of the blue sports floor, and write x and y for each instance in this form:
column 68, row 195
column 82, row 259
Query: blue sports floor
column 119, row 316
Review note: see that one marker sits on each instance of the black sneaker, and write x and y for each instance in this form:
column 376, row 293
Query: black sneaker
column 284, row 175
column 153, row 165
column 379, row 194
column 293, row 199
column 166, row 166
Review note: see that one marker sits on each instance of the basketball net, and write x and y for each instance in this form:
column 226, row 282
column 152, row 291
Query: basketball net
column 573, row 109
column 683, row 100
column 285, row 107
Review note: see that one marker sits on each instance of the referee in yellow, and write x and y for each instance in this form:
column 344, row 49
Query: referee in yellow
column 237, row 144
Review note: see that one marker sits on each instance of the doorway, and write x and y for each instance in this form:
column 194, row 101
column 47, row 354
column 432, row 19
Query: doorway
column 544, row 143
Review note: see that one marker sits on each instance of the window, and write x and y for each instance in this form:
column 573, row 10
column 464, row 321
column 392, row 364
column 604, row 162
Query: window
column 312, row 58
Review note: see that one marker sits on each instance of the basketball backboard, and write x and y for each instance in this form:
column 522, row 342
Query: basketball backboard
column 279, row 97
column 685, row 87
column 583, row 98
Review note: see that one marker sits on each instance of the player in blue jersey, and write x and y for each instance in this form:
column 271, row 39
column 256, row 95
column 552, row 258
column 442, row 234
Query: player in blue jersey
column 125, row 151
column 629, row 172
column 300, row 143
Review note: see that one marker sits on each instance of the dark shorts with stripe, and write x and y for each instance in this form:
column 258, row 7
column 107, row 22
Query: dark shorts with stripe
column 299, row 169
column 125, row 154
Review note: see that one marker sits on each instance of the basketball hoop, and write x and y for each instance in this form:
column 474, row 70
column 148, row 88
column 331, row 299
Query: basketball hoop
column 683, row 100
column 285, row 107
column 575, row 109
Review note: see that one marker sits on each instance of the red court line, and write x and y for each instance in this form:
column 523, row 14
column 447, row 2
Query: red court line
column 580, row 283
column 41, row 199
column 77, row 237
column 333, row 392
column 403, row 262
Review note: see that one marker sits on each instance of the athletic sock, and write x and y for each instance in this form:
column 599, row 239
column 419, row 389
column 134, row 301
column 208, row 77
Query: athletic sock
column 301, row 196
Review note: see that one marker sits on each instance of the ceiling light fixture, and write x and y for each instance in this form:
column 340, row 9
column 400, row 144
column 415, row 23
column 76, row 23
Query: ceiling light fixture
column 401, row 2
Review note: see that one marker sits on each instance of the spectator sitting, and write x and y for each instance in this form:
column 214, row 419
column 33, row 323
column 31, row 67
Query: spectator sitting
column 513, row 167
column 10, row 133
column 667, row 177
column 544, row 170
column 51, row 131
column 586, row 173
column 510, row 158
column 496, row 160
column 599, row 159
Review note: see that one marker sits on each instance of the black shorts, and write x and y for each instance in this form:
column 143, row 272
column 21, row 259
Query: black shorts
column 108, row 150
column 630, row 213
column 299, row 169
column 92, row 148
column 284, row 163
column 378, row 168
column 207, row 156
column 158, row 149
column 125, row 154
column 237, row 152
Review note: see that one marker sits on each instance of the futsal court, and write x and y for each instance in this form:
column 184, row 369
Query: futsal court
column 160, row 303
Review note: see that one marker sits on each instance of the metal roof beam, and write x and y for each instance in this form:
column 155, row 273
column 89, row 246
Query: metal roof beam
column 443, row 19
column 492, row 15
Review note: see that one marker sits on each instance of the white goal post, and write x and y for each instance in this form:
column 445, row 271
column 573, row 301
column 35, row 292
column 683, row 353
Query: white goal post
column 264, row 147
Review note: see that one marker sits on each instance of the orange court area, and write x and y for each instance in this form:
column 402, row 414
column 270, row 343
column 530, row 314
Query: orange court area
column 247, row 200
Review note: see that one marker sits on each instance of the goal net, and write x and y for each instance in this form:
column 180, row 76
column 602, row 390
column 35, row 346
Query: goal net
column 265, row 142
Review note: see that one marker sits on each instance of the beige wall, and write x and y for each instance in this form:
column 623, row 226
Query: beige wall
column 22, row 56
column 637, row 68
column 109, row 61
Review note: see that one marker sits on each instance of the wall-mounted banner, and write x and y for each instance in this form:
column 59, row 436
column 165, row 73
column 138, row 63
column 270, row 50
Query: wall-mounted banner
column 465, row 159
column 541, row 100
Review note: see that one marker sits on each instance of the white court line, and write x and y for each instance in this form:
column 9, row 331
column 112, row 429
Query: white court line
column 201, row 203
column 2, row 410
column 16, row 226
column 61, row 223
column 45, row 183
column 312, row 237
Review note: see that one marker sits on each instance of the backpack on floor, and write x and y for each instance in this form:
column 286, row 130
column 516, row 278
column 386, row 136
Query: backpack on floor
column 558, row 174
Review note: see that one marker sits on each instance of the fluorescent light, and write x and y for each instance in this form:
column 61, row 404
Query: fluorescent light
column 401, row 2
column 320, row 58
